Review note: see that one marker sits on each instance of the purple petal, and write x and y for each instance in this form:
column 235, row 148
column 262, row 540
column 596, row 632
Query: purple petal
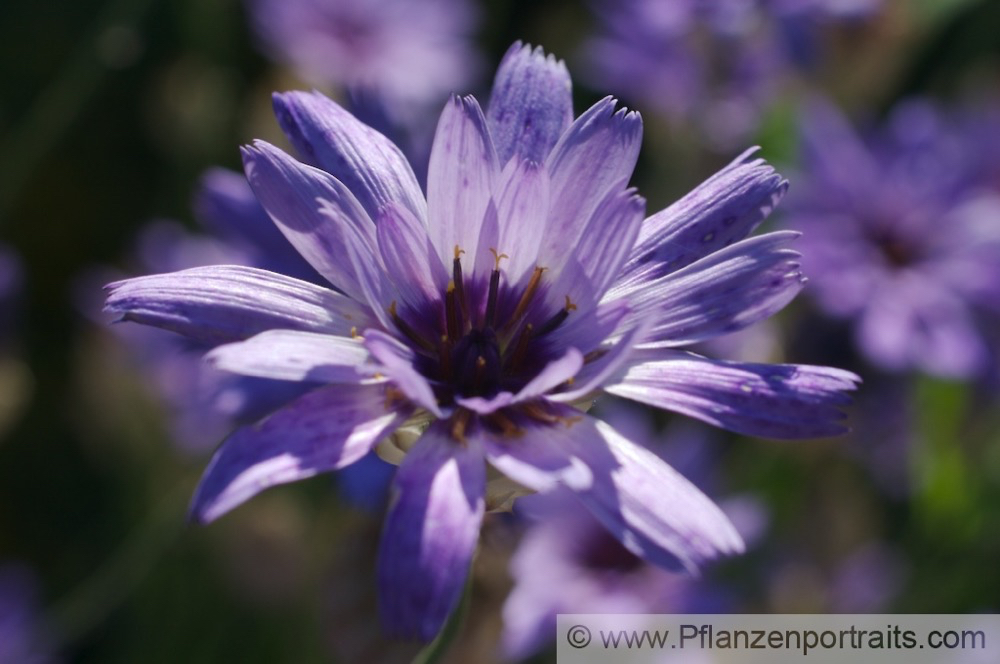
column 603, row 369
column 223, row 303
column 461, row 175
column 409, row 257
column 722, row 210
column 294, row 355
column 531, row 104
column 430, row 533
column 365, row 161
column 225, row 204
column 396, row 363
column 646, row 504
column 555, row 373
column 597, row 258
column 322, row 431
column 595, row 155
column 722, row 293
column 313, row 210
column 786, row 401
column 522, row 211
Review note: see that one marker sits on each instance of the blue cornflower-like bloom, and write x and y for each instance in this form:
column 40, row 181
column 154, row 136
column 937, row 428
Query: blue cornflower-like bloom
column 411, row 52
column 903, row 237
column 471, row 327
column 718, row 64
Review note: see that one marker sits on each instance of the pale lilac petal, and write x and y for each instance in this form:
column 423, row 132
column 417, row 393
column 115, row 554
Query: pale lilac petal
column 313, row 210
column 365, row 161
column 531, row 104
column 646, row 504
column 461, row 174
column 522, row 210
column 294, row 355
column 722, row 293
column 603, row 369
column 595, row 155
column 322, row 431
column 430, row 533
column 722, row 210
column 592, row 265
column 785, row 401
column 223, row 303
column 555, row 373
column 409, row 257
column 376, row 289
column 395, row 362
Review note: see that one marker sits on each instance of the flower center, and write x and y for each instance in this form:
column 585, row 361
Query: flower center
column 487, row 341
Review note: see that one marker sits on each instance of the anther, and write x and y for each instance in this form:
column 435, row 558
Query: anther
column 354, row 333
column 453, row 314
column 521, row 347
column 529, row 293
column 444, row 356
column 456, row 276
column 558, row 318
column 491, row 299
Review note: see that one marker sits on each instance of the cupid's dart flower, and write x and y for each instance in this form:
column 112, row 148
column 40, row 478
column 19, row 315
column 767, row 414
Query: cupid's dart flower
column 470, row 328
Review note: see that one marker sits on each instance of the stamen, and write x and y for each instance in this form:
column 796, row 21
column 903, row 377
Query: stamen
column 453, row 314
column 354, row 333
column 456, row 276
column 529, row 293
column 594, row 355
column 393, row 396
column 497, row 257
column 491, row 299
column 459, row 423
column 444, row 356
column 507, row 425
column 521, row 347
column 477, row 379
column 408, row 331
column 557, row 319
column 537, row 412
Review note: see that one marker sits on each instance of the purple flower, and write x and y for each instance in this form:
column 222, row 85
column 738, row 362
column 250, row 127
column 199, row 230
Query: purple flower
column 414, row 53
column 567, row 562
column 901, row 238
column 473, row 325
column 717, row 63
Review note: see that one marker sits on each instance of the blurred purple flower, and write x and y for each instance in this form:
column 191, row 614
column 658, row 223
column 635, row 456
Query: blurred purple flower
column 412, row 53
column 717, row 63
column 22, row 640
column 901, row 238
column 567, row 562
column 476, row 322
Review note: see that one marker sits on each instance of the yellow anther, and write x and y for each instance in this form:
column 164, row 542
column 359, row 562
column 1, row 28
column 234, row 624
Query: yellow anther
column 451, row 286
column 569, row 305
column 354, row 333
column 458, row 252
column 497, row 257
column 392, row 307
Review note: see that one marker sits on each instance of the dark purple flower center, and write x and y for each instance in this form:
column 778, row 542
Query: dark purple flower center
column 488, row 339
